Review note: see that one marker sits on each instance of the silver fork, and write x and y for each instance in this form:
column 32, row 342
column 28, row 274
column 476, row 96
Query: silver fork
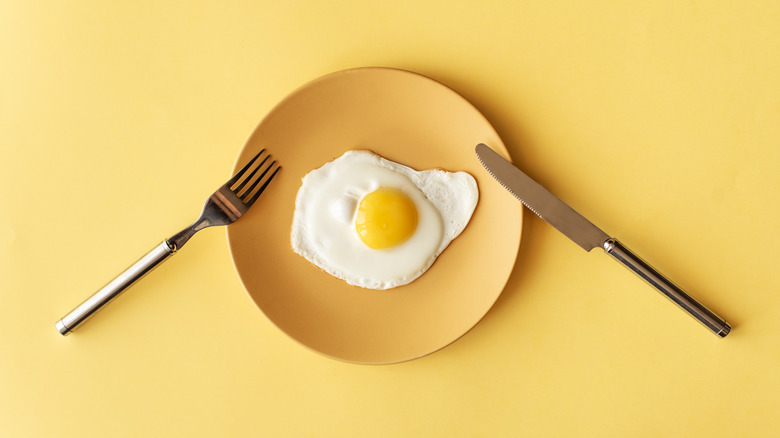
column 223, row 207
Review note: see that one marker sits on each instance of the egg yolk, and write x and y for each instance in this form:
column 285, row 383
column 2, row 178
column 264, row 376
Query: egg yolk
column 385, row 218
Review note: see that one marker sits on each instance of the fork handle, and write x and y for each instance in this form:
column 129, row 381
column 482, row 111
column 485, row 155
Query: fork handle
column 159, row 254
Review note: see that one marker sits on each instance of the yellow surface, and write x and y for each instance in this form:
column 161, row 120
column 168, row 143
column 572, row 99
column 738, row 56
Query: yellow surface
column 660, row 121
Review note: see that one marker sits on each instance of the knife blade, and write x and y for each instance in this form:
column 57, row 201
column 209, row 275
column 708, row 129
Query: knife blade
column 588, row 236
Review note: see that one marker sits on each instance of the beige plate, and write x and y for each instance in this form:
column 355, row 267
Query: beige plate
column 407, row 118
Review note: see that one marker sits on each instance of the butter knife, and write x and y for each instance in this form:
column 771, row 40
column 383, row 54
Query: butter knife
column 588, row 236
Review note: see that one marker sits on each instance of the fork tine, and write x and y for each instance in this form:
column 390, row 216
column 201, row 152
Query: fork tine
column 242, row 192
column 251, row 175
column 254, row 197
column 241, row 172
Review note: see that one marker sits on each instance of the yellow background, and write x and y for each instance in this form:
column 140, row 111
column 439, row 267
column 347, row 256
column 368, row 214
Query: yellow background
column 658, row 120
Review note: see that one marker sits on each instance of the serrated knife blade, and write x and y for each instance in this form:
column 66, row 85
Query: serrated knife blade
column 587, row 235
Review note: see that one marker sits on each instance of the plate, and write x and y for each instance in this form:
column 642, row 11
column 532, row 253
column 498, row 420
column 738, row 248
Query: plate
column 408, row 118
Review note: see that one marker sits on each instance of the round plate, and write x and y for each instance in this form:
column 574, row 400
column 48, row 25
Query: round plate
column 407, row 118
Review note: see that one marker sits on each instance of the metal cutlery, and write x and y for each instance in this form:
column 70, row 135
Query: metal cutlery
column 584, row 233
column 223, row 207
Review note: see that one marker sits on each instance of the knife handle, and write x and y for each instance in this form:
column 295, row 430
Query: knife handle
column 710, row 320
column 159, row 254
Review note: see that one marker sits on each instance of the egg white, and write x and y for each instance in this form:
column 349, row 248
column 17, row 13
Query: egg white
column 323, row 229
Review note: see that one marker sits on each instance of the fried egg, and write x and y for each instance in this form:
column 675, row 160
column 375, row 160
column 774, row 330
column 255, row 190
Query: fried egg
column 378, row 224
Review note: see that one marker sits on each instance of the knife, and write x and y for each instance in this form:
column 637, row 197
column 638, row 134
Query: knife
column 574, row 226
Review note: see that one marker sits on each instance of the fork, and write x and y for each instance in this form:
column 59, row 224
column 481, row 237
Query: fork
column 223, row 207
